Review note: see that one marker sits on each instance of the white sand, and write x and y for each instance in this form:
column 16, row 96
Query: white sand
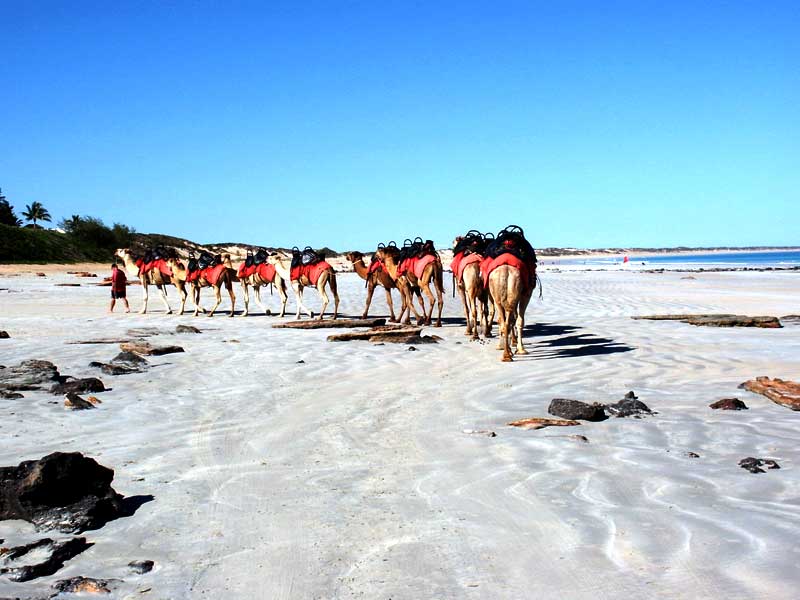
column 349, row 476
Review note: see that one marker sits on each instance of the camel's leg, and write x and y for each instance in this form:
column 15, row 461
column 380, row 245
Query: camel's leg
column 419, row 316
column 298, row 292
column 473, row 308
column 284, row 297
column 426, row 289
column 492, row 309
column 229, row 286
column 257, row 290
column 440, row 298
column 370, row 291
column 183, row 295
column 323, row 294
column 335, row 290
column 217, row 298
column 392, row 318
column 162, row 290
column 463, row 295
column 523, row 306
column 145, row 293
column 196, row 298
column 246, row 296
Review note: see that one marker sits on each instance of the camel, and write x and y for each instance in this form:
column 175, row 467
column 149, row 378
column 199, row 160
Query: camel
column 256, row 281
column 475, row 298
column 389, row 257
column 373, row 279
column 511, row 295
column 328, row 276
column 226, row 278
column 154, row 277
column 433, row 273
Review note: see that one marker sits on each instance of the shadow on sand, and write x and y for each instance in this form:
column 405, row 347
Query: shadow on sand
column 568, row 344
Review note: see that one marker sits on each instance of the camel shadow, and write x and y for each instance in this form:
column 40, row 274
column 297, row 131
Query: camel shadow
column 569, row 344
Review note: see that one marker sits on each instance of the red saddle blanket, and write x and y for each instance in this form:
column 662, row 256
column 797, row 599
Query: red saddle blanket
column 460, row 263
column 210, row 274
column 415, row 265
column 375, row 265
column 490, row 264
column 311, row 272
column 245, row 271
column 266, row 271
column 159, row 264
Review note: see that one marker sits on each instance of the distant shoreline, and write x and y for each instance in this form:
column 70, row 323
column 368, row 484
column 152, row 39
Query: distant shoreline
column 637, row 252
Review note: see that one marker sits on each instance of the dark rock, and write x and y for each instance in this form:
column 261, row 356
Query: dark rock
column 141, row 566
column 84, row 585
column 728, row 404
column 65, row 491
column 57, row 554
column 629, row 406
column 10, row 395
column 574, row 409
column 754, row 464
column 4, row 335
column 110, row 369
column 129, row 359
column 79, row 386
column 75, row 402
column 148, row 349
column 412, row 349
column 28, row 375
column 301, row 362
column 692, row 455
column 186, row 329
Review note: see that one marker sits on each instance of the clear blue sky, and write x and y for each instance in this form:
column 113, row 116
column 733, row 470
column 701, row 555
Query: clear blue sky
column 636, row 123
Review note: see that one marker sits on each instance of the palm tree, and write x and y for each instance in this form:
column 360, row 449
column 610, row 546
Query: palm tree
column 36, row 212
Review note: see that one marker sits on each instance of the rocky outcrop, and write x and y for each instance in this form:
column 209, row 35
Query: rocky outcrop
column 84, row 585
column 141, row 566
column 186, row 329
column 576, row 410
column 719, row 320
column 18, row 562
column 28, row 375
column 148, row 349
column 754, row 464
column 113, row 370
column 78, row 386
column 6, row 395
column 728, row 404
column 75, row 402
column 780, row 391
column 65, row 491
column 629, row 406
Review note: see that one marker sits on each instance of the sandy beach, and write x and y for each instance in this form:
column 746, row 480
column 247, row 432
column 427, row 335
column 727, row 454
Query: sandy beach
column 282, row 465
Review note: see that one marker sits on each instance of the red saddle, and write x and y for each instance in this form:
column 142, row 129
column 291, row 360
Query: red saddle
column 416, row 265
column 311, row 272
column 489, row 264
column 460, row 262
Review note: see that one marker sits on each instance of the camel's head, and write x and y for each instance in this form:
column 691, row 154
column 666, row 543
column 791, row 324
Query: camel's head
column 273, row 258
column 122, row 253
column 354, row 256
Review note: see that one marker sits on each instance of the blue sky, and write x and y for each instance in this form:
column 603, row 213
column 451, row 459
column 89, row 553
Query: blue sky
column 344, row 124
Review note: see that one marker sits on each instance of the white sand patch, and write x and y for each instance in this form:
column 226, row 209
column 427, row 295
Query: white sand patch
column 349, row 475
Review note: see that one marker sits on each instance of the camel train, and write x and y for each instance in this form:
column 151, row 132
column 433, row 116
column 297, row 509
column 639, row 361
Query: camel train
column 494, row 276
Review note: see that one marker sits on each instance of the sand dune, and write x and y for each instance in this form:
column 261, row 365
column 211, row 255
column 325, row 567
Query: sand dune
column 349, row 475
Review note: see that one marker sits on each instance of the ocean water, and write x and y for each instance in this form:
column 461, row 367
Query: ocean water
column 732, row 260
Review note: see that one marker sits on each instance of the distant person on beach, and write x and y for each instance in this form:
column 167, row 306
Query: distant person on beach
column 118, row 288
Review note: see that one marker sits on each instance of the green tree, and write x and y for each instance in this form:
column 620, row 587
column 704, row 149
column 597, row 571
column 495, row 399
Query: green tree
column 36, row 212
column 7, row 216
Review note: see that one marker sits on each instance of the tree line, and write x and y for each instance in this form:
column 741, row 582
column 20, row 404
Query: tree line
column 83, row 234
